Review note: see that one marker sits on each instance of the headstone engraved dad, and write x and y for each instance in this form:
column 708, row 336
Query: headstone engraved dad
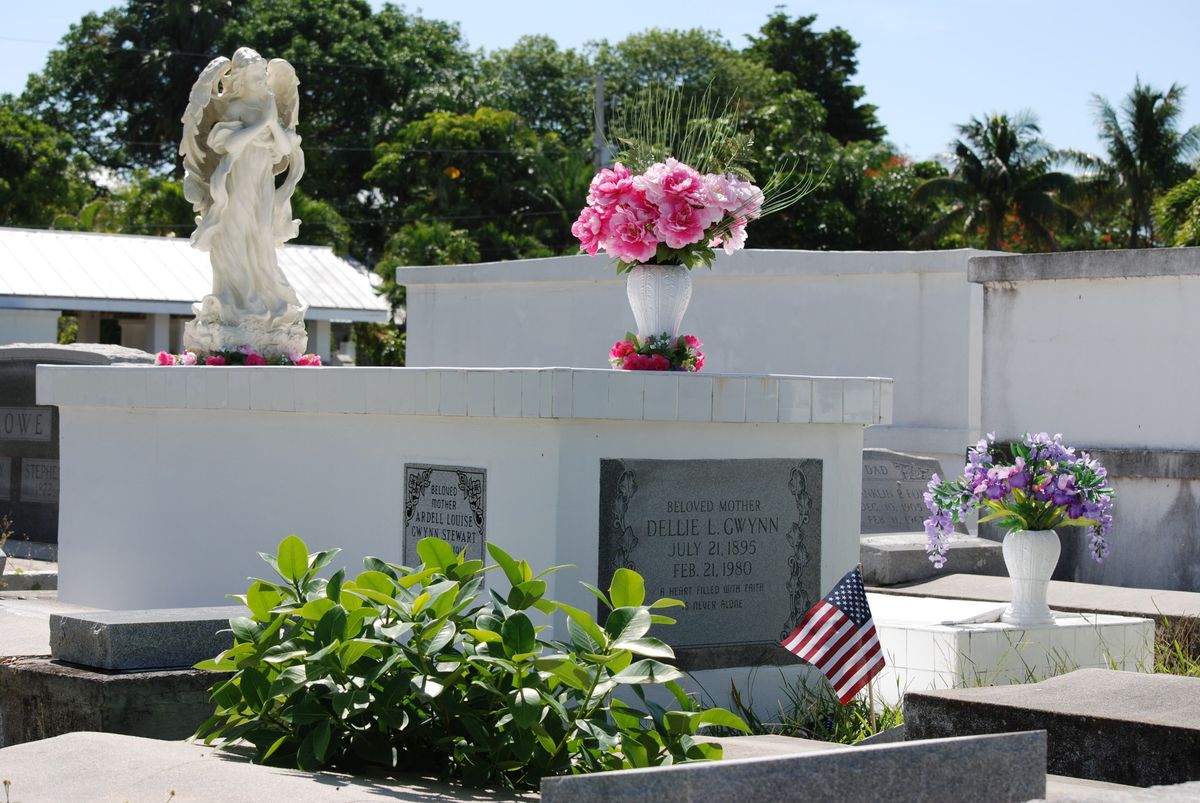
column 893, row 491
column 446, row 502
column 739, row 541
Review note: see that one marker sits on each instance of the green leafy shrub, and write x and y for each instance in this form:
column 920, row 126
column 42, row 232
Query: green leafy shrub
column 408, row 668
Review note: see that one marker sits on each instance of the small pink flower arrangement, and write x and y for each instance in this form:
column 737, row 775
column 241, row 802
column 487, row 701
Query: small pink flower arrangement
column 243, row 356
column 657, row 353
column 670, row 214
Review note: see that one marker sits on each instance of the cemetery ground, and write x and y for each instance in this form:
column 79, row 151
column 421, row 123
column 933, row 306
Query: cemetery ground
column 78, row 761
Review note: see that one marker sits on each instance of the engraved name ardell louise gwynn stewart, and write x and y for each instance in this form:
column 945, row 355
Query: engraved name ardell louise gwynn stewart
column 739, row 541
column 446, row 502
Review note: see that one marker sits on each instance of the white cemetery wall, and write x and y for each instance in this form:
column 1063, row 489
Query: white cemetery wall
column 911, row 316
column 1096, row 345
column 28, row 326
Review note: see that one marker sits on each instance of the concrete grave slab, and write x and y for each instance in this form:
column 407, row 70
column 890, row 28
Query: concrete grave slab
column 93, row 767
column 890, row 559
column 167, row 638
column 1122, row 727
column 1009, row 767
column 40, row 698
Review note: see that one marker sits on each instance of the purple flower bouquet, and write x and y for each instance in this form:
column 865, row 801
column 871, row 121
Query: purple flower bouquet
column 1046, row 485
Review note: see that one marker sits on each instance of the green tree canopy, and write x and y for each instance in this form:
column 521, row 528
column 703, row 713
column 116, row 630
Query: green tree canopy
column 552, row 90
column 41, row 174
column 1147, row 153
column 1002, row 176
column 823, row 64
column 476, row 171
column 119, row 80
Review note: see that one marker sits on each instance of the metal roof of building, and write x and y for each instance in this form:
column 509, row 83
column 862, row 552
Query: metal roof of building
column 125, row 273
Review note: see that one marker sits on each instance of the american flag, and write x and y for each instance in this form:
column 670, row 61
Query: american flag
column 838, row 637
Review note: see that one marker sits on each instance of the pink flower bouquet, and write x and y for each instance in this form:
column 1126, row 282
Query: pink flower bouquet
column 670, row 214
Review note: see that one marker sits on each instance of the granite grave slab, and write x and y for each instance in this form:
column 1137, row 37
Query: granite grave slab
column 739, row 541
column 1122, row 727
column 997, row 769
column 139, row 640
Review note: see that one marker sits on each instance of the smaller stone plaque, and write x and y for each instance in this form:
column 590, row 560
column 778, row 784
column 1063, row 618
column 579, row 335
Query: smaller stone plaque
column 446, row 502
column 25, row 423
column 5, row 479
column 893, row 491
column 39, row 480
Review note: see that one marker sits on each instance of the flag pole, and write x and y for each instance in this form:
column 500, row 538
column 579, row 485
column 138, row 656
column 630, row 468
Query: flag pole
column 870, row 689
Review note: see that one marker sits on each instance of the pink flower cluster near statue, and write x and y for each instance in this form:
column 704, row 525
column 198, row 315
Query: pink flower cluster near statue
column 657, row 353
column 243, row 356
column 671, row 214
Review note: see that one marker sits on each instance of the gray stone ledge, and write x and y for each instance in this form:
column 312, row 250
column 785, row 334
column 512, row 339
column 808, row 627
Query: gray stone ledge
column 1149, row 463
column 1122, row 264
column 171, row 638
column 1008, row 767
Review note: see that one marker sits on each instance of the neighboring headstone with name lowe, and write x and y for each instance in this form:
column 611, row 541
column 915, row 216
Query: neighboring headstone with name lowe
column 29, row 466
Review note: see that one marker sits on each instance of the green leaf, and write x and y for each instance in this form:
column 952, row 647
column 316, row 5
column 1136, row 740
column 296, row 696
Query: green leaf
column 288, row 682
column 436, row 552
column 627, row 588
column 627, row 623
column 525, row 594
column 581, row 640
column 376, row 581
column 566, row 670
column 483, row 635
column 274, row 746
column 261, row 598
column 647, row 671
column 351, row 651
column 705, row 751
column 332, row 627
column 647, row 646
column 519, row 635
column 314, row 611
column 254, row 686
column 442, row 636
column 507, row 565
column 333, row 589
column 659, row 619
column 721, row 718
column 244, row 629
column 321, row 559
column 584, row 620
column 526, row 707
column 598, row 594
column 292, row 558
column 312, row 751
column 668, row 602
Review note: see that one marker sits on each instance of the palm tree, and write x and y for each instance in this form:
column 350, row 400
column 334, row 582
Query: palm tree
column 1146, row 152
column 1002, row 170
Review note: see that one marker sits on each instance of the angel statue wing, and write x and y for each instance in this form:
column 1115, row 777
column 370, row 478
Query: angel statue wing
column 205, row 108
column 281, row 78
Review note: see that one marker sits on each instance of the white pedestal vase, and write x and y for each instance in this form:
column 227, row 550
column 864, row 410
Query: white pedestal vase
column 659, row 296
column 1030, row 556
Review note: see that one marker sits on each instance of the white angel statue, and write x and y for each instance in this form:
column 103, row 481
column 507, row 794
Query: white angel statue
column 239, row 133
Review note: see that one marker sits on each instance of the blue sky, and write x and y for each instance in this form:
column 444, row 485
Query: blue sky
column 927, row 64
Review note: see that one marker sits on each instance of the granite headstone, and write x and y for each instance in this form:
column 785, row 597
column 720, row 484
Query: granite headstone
column 446, row 502
column 739, row 541
column 29, row 467
column 893, row 491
